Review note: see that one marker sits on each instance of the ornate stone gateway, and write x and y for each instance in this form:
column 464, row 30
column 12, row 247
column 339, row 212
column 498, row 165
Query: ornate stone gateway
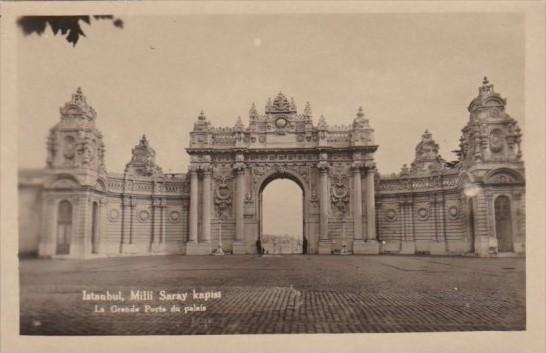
column 334, row 166
column 475, row 204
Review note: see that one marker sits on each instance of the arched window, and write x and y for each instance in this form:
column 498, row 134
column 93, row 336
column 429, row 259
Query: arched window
column 94, row 229
column 64, row 227
column 503, row 224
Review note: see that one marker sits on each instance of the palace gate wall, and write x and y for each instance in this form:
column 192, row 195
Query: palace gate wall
column 475, row 205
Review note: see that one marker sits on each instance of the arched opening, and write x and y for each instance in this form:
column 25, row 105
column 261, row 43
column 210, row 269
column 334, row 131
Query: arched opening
column 94, row 226
column 503, row 224
column 64, row 227
column 282, row 218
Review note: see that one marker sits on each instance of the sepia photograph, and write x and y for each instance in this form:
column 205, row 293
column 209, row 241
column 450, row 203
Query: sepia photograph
column 271, row 172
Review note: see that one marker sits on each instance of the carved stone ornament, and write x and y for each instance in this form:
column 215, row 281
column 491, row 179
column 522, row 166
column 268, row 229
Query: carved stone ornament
column 423, row 213
column 502, row 178
column 113, row 214
column 222, row 196
column 143, row 215
column 496, row 140
column 281, row 123
column 69, row 149
column 339, row 194
column 175, row 217
column 143, row 160
column 453, row 211
column 391, row 215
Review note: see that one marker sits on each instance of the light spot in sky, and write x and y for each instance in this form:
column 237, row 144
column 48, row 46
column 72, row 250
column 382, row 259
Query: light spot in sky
column 257, row 42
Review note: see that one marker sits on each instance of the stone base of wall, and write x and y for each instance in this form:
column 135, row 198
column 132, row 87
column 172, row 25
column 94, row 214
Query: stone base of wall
column 194, row 248
column 407, row 247
column 239, row 247
column 438, row 248
column 365, row 247
column 325, row 247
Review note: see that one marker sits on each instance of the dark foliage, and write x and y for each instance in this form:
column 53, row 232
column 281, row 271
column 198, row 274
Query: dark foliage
column 68, row 26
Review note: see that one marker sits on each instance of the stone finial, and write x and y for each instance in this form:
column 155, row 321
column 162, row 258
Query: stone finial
column 268, row 105
column 201, row 124
column 360, row 121
column 322, row 124
column 82, row 110
column 239, row 124
column 292, row 104
column 487, row 98
column 307, row 110
column 253, row 113
column 78, row 97
column 144, row 139
column 486, row 88
column 360, row 113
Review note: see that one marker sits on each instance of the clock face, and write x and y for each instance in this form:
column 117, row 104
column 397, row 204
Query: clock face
column 281, row 123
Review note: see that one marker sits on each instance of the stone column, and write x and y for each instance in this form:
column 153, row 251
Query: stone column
column 131, row 219
column 438, row 244
column 194, row 203
column 239, row 243
column 357, row 201
column 154, row 233
column 205, row 236
column 370, row 245
column 158, row 217
column 370, row 204
column 162, row 233
column 325, row 247
column 407, row 243
column 48, row 234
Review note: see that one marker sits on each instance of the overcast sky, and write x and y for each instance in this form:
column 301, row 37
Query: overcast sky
column 409, row 72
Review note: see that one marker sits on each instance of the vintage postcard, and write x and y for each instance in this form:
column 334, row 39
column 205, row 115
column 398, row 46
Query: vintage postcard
column 269, row 176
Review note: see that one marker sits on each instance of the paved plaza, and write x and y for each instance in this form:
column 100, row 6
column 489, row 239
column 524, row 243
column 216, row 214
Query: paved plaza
column 275, row 294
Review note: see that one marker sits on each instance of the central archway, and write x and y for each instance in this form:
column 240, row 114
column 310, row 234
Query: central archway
column 282, row 216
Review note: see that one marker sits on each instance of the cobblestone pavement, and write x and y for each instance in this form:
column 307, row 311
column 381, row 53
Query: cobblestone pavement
column 276, row 294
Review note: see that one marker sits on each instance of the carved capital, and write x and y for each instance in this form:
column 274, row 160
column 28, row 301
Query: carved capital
column 369, row 165
column 239, row 167
column 205, row 168
column 194, row 168
column 128, row 201
column 356, row 166
column 323, row 166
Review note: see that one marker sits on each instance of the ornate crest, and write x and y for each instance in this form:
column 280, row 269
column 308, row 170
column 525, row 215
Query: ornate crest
column 496, row 140
column 339, row 194
column 222, row 196
column 281, row 105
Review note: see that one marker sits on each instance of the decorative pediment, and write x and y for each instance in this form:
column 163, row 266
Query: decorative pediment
column 77, row 108
column 487, row 98
column 427, row 159
column 281, row 104
column 143, row 161
column 64, row 182
column 503, row 176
